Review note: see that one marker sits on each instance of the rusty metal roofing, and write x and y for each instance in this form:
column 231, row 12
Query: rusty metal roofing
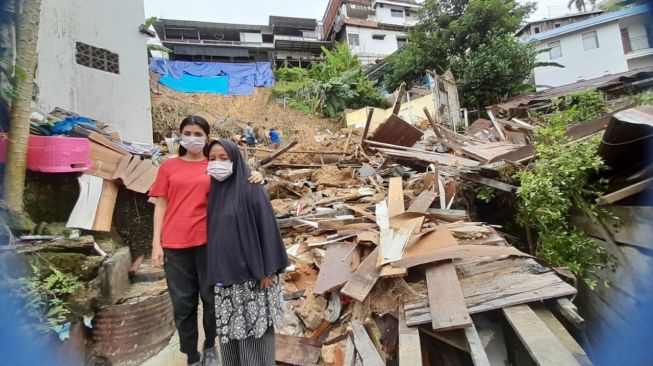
column 133, row 332
column 605, row 82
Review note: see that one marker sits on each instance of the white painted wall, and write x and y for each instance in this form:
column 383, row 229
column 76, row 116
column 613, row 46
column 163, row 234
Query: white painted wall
column 640, row 62
column 370, row 49
column 122, row 100
column 579, row 64
column 384, row 15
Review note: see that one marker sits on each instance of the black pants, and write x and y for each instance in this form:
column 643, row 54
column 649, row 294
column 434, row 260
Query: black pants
column 186, row 276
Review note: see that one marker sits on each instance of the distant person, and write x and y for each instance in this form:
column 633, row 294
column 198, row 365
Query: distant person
column 250, row 136
column 275, row 139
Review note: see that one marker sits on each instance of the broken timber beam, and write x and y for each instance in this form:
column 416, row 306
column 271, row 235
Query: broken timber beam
column 364, row 346
column 476, row 349
column 364, row 278
column 434, row 125
column 447, row 303
column 400, row 97
column 370, row 112
column 280, row 151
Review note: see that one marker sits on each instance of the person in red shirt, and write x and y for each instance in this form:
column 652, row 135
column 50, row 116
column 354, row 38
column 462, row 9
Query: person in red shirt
column 180, row 236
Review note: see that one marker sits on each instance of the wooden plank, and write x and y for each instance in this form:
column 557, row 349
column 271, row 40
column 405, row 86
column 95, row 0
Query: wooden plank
column 105, row 207
column 395, row 197
column 363, row 279
column 496, row 125
column 561, row 333
column 433, row 124
column 295, row 351
column 423, row 201
column 570, row 312
column 543, row 346
column 463, row 251
column 400, row 96
column 370, row 113
column 410, row 348
column 280, row 151
column 83, row 214
column 447, row 303
column 105, row 161
column 365, row 347
column 476, row 349
column 350, row 353
column 624, row 192
column 334, row 272
column 448, row 215
column 488, row 182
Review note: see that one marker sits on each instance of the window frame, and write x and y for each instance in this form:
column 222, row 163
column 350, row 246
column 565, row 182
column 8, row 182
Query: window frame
column 394, row 11
column 551, row 48
column 405, row 41
column 351, row 36
column 595, row 35
column 378, row 37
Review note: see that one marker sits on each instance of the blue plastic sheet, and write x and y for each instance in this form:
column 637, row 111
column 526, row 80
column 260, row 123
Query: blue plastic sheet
column 242, row 77
column 197, row 84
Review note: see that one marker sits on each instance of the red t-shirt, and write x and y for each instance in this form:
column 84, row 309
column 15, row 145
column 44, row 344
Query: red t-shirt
column 186, row 186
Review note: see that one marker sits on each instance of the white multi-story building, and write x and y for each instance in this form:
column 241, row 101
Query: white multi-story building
column 373, row 29
column 608, row 44
column 92, row 60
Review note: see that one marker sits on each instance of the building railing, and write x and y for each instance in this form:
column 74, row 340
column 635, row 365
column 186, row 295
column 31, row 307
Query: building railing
column 216, row 42
column 639, row 43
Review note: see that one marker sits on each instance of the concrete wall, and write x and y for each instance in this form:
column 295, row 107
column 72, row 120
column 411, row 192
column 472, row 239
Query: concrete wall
column 640, row 62
column 580, row 64
column 122, row 100
column 370, row 49
column 384, row 15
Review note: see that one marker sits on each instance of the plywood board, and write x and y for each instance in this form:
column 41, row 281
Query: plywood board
column 145, row 181
column 397, row 131
column 334, row 272
column 463, row 251
column 446, row 300
column 543, row 346
column 83, row 214
column 295, row 351
column 105, row 161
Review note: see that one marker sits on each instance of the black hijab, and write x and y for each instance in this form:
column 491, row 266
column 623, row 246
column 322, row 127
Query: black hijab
column 243, row 236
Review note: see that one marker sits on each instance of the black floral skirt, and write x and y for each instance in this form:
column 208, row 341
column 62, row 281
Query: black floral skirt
column 245, row 310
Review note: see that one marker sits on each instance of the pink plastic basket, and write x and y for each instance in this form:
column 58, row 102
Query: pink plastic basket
column 53, row 154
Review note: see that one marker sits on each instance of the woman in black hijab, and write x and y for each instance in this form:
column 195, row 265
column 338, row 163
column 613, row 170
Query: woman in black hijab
column 246, row 256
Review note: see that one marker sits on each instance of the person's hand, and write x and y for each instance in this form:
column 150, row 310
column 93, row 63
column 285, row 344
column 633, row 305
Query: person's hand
column 256, row 178
column 157, row 255
column 265, row 282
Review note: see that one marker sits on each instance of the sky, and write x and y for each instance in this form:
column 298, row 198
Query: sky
column 258, row 11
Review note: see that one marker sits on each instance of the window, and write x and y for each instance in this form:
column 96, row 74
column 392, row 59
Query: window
column 401, row 41
column 353, row 39
column 411, row 13
column 379, row 37
column 97, row 58
column 590, row 40
column 397, row 13
column 555, row 51
column 536, row 30
column 556, row 25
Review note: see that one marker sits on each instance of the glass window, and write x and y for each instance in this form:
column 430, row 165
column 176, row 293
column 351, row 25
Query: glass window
column 536, row 30
column 397, row 13
column 556, row 25
column 401, row 41
column 590, row 40
column 353, row 39
column 378, row 36
column 555, row 51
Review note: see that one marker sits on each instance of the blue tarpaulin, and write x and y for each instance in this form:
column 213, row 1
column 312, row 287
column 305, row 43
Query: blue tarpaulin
column 242, row 77
column 197, row 84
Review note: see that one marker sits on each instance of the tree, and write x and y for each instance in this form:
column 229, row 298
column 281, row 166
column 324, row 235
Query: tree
column 580, row 4
column 490, row 72
column 450, row 32
column 27, row 36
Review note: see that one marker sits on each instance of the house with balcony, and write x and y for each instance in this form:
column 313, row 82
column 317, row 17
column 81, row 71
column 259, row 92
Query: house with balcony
column 604, row 45
column 297, row 41
column 216, row 42
column 374, row 29
column 547, row 24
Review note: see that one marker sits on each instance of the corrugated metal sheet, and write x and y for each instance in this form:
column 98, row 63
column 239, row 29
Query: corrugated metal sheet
column 525, row 101
column 128, row 334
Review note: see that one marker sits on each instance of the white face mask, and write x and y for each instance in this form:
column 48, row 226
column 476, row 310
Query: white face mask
column 220, row 170
column 193, row 144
